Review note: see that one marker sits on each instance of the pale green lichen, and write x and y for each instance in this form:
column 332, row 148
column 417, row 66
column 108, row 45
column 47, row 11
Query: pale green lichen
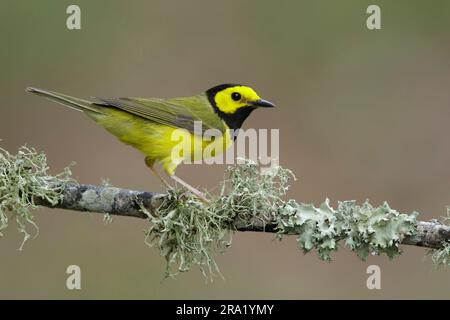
column 441, row 256
column 188, row 231
column 363, row 228
column 107, row 218
column 99, row 202
column 23, row 178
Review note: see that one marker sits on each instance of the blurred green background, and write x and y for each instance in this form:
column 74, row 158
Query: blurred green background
column 362, row 114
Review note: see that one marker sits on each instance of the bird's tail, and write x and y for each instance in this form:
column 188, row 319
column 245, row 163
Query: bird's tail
column 68, row 101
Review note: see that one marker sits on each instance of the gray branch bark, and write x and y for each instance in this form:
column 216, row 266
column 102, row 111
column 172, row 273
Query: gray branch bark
column 124, row 202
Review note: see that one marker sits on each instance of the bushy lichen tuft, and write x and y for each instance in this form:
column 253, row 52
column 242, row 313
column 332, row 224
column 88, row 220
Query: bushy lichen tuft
column 189, row 232
column 186, row 232
column 252, row 192
column 441, row 256
column 23, row 178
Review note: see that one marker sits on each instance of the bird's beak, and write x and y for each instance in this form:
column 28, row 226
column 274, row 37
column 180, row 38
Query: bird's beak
column 261, row 103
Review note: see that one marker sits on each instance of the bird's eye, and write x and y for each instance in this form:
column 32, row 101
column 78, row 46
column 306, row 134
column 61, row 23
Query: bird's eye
column 236, row 96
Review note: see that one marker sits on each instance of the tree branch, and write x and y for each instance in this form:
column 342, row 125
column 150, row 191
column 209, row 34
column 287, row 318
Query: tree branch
column 124, row 202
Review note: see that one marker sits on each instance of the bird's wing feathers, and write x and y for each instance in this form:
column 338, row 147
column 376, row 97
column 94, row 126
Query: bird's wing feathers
column 178, row 112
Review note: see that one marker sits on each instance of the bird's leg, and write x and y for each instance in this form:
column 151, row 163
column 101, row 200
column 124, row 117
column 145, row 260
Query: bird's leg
column 160, row 178
column 197, row 193
column 194, row 191
column 150, row 164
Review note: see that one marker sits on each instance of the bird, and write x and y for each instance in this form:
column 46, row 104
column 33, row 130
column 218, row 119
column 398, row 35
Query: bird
column 150, row 124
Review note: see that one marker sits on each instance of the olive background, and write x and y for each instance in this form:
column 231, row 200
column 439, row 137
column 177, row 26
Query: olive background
column 362, row 114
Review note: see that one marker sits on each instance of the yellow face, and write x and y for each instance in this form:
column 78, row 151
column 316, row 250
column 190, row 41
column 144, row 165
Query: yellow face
column 229, row 100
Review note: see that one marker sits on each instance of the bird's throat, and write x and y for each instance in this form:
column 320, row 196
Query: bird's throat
column 235, row 120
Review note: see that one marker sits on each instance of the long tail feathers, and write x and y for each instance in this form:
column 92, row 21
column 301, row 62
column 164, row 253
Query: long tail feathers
column 68, row 101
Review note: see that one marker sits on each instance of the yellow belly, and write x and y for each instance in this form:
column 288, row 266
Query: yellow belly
column 164, row 144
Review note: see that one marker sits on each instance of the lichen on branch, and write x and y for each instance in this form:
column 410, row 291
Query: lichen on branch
column 23, row 178
column 189, row 232
column 363, row 228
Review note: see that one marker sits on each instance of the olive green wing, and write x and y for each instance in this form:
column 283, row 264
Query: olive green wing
column 178, row 112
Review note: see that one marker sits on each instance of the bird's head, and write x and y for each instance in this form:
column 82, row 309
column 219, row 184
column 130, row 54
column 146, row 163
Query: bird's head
column 234, row 103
